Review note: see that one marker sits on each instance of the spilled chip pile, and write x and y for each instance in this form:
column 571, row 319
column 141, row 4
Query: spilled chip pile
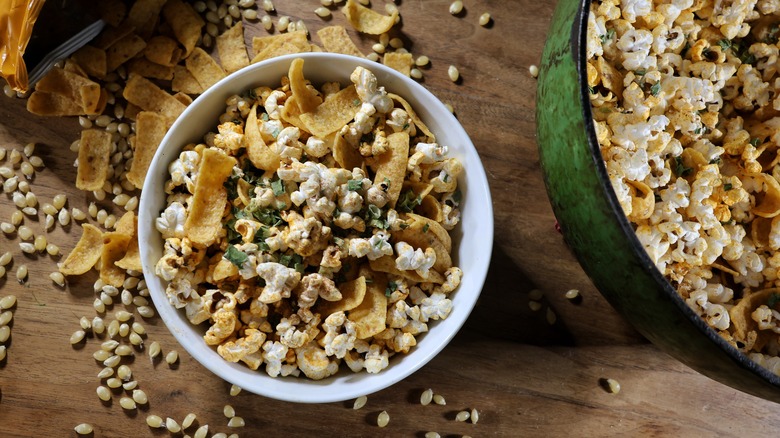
column 685, row 108
column 312, row 228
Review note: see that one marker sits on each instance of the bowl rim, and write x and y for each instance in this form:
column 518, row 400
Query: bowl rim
column 580, row 33
column 478, row 189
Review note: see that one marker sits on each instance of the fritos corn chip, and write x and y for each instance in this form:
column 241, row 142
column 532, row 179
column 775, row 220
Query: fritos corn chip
column 163, row 50
column 149, row 97
column 334, row 112
column 203, row 67
column 208, row 203
column 150, row 130
column 232, row 49
column 123, row 50
column 184, row 81
column 367, row 20
column 336, row 40
column 401, row 62
column 94, row 153
column 185, row 23
column 392, row 165
column 86, row 252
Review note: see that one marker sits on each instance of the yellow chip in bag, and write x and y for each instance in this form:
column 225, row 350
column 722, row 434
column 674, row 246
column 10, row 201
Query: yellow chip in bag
column 149, row 97
column 306, row 98
column 184, row 81
column 400, row 62
column 94, row 153
column 232, row 49
column 123, row 50
column 204, row 221
column 111, row 35
column 163, row 50
column 335, row 111
column 203, row 67
column 144, row 15
column 370, row 315
column 352, row 294
column 112, row 11
column 336, row 40
column 148, row 69
column 86, row 252
column 391, row 166
column 150, row 129
column 92, row 60
column 259, row 153
column 73, row 86
column 186, row 23
column 367, row 20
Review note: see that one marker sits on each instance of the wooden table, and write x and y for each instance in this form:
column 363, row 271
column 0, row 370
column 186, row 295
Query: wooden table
column 525, row 376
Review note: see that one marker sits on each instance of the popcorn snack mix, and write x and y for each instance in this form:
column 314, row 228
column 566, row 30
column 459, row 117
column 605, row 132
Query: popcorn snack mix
column 686, row 110
column 312, row 228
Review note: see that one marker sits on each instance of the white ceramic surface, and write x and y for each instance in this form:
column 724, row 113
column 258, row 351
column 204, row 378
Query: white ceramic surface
column 472, row 239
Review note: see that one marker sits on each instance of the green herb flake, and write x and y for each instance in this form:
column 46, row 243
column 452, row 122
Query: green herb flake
column 391, row 287
column 278, row 187
column 235, row 256
column 655, row 89
column 727, row 186
column 265, row 117
column 425, row 228
column 755, row 142
column 356, row 102
column 354, row 185
column 680, row 169
column 725, row 44
column 773, row 300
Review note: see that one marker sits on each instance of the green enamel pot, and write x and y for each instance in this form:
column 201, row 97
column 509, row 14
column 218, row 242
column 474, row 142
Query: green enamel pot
column 594, row 226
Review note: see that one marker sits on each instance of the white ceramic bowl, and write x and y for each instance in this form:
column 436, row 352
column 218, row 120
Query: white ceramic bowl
column 472, row 239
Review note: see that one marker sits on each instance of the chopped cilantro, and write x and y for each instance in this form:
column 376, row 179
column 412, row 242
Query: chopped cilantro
column 354, row 185
column 445, row 177
column 278, row 187
column 591, row 90
column 727, row 186
column 755, row 142
column 425, row 228
column 391, row 287
column 374, row 212
column 607, row 36
column 640, row 73
column 725, row 44
column 655, row 89
column 408, row 201
column 235, row 256
column 697, row 130
column 680, row 169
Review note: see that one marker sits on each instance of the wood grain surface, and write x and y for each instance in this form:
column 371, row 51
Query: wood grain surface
column 526, row 377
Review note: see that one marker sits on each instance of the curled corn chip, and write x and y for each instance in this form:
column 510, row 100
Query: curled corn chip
column 367, row 20
column 370, row 315
column 769, row 204
column 391, row 166
column 86, row 252
column 336, row 40
column 306, row 98
column 335, row 111
column 352, row 294
column 204, row 221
